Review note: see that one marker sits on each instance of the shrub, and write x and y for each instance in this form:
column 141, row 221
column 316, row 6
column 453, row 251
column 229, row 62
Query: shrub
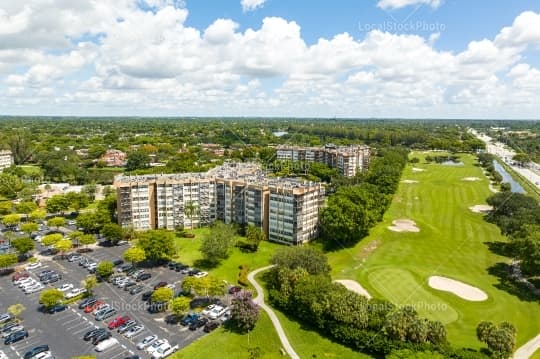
column 242, row 275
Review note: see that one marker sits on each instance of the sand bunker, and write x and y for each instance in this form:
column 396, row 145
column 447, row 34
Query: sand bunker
column 409, row 181
column 418, row 169
column 354, row 286
column 481, row 208
column 471, row 179
column 462, row 290
column 404, row 225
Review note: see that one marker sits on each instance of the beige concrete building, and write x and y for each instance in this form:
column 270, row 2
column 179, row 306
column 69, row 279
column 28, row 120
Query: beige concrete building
column 348, row 160
column 286, row 209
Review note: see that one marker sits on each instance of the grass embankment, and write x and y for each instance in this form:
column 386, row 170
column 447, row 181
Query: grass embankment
column 453, row 242
column 531, row 189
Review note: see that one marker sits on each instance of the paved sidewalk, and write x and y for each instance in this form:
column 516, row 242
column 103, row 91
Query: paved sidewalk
column 275, row 321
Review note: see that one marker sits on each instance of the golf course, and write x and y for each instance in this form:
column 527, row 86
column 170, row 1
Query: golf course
column 429, row 230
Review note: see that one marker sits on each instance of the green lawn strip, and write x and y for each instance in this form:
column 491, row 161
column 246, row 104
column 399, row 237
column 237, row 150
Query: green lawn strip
column 531, row 189
column 536, row 355
column 452, row 243
column 222, row 343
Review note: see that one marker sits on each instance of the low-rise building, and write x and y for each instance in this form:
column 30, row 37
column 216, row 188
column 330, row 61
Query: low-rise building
column 6, row 159
column 114, row 158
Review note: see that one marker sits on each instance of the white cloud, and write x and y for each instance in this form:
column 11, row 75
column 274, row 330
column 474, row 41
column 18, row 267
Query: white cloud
column 250, row 5
column 152, row 62
column 398, row 4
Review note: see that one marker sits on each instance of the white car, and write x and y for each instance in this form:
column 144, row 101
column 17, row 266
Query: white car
column 25, row 282
column 65, row 287
column 155, row 345
column 201, row 274
column 164, row 351
column 92, row 266
column 25, row 285
column 100, row 308
column 170, row 286
column 145, row 342
column 35, row 288
column 3, row 355
column 33, row 265
column 44, row 355
column 75, row 292
column 217, row 312
column 208, row 309
column 133, row 331
column 106, row 344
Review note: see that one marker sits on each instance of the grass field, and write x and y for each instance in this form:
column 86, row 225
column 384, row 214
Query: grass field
column 188, row 253
column 453, row 242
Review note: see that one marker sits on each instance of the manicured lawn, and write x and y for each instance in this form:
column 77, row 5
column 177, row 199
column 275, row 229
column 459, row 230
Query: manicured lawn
column 222, row 344
column 453, row 242
column 188, row 253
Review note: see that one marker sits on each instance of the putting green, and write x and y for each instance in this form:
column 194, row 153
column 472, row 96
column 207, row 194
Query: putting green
column 401, row 288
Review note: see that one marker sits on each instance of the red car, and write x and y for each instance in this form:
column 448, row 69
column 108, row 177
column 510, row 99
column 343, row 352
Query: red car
column 18, row 276
column 92, row 307
column 160, row 285
column 118, row 321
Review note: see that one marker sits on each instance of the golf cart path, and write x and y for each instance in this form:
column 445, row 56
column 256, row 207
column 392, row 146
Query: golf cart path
column 275, row 321
column 528, row 349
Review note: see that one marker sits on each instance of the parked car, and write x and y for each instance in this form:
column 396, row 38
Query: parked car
column 75, row 292
column 155, row 345
column 6, row 327
column 15, row 337
column 118, row 321
column 117, row 262
column 201, row 274
column 106, row 344
column 34, row 265
column 34, row 288
column 160, row 285
column 188, row 319
column 125, row 327
column 210, row 326
column 235, row 289
column 87, row 301
column 11, row 330
column 158, row 307
column 146, row 296
column 57, row 308
column 19, row 275
column 5, row 317
column 101, row 337
column 196, row 324
column 107, row 313
column 129, row 285
column 217, row 312
column 137, row 289
column 173, row 319
column 95, row 306
column 44, row 355
column 92, row 333
column 74, row 257
column 143, row 276
column 180, row 267
column 208, row 309
column 35, row 351
column 134, row 330
column 146, row 341
column 164, row 351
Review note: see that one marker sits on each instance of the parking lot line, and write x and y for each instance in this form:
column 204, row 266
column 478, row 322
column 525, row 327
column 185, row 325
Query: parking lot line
column 117, row 355
column 76, row 326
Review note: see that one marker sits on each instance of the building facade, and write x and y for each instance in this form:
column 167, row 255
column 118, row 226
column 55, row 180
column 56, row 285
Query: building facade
column 6, row 159
column 348, row 160
column 286, row 209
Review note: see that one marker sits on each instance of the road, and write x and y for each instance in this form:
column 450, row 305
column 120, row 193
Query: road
column 275, row 321
column 506, row 154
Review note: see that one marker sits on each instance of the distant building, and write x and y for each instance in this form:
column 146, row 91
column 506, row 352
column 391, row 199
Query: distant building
column 348, row 160
column 286, row 209
column 114, row 158
column 6, row 159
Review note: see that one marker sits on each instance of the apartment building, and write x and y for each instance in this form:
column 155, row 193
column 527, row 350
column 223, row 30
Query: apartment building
column 6, row 159
column 286, row 209
column 348, row 160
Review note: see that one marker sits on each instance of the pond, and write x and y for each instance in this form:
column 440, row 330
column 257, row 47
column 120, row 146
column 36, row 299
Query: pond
column 516, row 187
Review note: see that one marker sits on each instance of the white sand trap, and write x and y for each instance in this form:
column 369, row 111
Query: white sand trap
column 528, row 349
column 354, row 286
column 409, row 181
column 415, row 169
column 404, row 225
column 471, row 179
column 462, row 290
column 481, row 208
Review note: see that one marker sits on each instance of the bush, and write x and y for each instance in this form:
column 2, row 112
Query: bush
column 242, row 275
column 247, row 246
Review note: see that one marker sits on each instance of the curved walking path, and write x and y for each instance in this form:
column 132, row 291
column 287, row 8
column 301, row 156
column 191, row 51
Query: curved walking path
column 528, row 349
column 275, row 321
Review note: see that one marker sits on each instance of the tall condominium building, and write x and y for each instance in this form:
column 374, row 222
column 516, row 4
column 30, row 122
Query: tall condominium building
column 347, row 159
column 6, row 159
column 286, row 209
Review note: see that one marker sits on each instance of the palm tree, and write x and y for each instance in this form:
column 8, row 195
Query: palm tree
column 191, row 210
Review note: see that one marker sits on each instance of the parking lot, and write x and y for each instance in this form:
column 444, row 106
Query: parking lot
column 63, row 331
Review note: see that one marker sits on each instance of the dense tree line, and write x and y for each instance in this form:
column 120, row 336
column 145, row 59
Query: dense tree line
column 358, row 205
column 486, row 161
column 518, row 216
column 300, row 285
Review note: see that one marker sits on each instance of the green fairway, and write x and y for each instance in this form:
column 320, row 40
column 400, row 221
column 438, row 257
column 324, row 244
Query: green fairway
column 452, row 242
column 400, row 287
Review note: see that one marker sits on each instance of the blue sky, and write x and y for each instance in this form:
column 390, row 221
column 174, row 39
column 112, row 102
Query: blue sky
column 369, row 58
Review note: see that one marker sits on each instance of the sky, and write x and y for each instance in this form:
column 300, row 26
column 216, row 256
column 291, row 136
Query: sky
column 276, row 58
